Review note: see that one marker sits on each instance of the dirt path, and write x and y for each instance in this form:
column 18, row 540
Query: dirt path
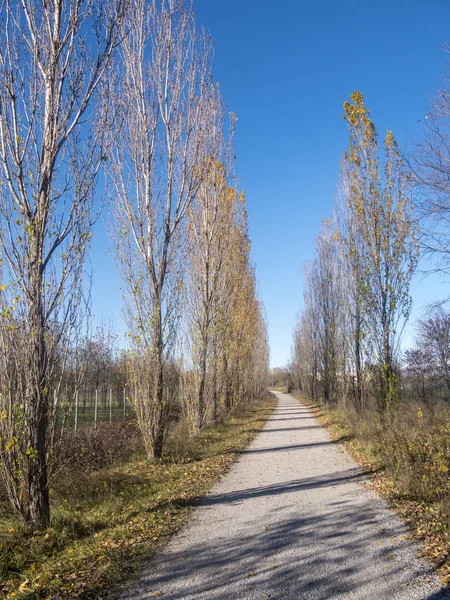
column 290, row 521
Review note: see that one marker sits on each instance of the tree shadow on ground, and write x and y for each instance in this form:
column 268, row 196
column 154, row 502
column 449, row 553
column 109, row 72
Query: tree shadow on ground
column 330, row 556
column 301, row 428
column 351, row 546
column 290, row 447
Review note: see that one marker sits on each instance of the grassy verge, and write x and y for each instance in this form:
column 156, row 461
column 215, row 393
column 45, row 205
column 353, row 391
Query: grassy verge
column 107, row 520
column 407, row 457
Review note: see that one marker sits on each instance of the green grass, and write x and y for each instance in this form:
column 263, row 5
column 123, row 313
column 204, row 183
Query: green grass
column 86, row 417
column 105, row 522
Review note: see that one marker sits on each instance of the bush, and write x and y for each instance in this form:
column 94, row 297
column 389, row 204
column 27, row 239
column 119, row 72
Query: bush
column 412, row 442
column 92, row 449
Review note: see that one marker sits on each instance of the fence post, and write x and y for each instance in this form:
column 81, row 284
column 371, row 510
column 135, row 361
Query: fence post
column 95, row 409
column 124, row 403
column 9, row 408
column 110, row 406
column 55, row 406
column 76, row 410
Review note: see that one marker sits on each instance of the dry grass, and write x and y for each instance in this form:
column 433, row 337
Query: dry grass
column 407, row 455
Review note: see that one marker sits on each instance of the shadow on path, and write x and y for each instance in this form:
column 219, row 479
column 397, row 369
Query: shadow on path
column 307, row 483
column 302, row 428
column 288, row 539
column 292, row 447
column 267, row 559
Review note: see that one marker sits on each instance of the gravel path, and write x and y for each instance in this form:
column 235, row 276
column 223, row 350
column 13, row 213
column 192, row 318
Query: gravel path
column 290, row 521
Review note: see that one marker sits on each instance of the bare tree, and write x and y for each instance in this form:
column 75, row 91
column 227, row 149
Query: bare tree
column 52, row 58
column 157, row 166
column 319, row 357
column 430, row 165
column 434, row 338
column 419, row 372
column 324, row 282
column 305, row 360
column 352, row 270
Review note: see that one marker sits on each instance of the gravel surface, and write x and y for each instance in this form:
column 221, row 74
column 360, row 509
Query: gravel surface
column 291, row 520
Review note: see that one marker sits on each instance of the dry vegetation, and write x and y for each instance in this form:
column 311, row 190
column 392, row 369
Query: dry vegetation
column 406, row 454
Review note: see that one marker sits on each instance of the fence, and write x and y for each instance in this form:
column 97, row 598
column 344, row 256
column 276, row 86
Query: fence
column 89, row 407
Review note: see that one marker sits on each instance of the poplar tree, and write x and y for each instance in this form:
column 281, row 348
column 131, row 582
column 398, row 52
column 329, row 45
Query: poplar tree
column 157, row 166
column 382, row 248
column 53, row 56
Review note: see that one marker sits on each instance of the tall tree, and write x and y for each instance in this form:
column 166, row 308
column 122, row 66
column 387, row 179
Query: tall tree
column 430, row 164
column 351, row 268
column 157, row 166
column 237, row 319
column 210, row 227
column 225, row 321
column 320, row 349
column 52, row 58
column 385, row 232
column 325, row 289
column 305, row 349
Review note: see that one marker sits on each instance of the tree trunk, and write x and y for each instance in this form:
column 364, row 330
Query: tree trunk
column 200, row 412
column 228, row 387
column 37, row 514
column 215, row 390
column 159, row 418
column 358, row 387
column 160, row 402
column 201, row 404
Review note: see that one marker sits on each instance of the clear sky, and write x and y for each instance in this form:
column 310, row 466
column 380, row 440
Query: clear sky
column 285, row 68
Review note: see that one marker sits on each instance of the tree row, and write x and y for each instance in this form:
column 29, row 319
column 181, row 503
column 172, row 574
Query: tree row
column 120, row 91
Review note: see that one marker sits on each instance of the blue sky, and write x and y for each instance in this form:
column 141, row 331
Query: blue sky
column 285, row 68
